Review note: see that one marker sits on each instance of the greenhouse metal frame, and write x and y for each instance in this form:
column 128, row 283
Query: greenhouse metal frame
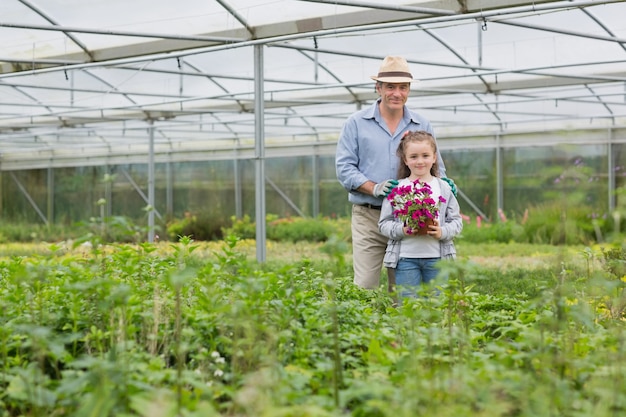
column 93, row 83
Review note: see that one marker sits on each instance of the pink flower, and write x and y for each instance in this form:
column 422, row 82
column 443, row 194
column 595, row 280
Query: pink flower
column 413, row 204
column 502, row 216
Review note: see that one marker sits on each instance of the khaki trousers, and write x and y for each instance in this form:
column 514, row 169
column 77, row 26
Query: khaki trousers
column 368, row 247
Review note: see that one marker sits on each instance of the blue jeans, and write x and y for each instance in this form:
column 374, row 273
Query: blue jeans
column 412, row 272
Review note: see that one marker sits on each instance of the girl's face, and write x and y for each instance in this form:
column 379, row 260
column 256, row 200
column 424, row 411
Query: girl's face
column 419, row 157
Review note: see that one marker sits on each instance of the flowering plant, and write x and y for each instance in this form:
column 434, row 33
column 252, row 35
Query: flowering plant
column 414, row 205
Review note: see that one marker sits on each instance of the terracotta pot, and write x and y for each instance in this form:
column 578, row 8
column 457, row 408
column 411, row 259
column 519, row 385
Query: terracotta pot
column 424, row 230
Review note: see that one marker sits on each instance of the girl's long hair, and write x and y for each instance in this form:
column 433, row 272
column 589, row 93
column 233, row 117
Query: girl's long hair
column 417, row 136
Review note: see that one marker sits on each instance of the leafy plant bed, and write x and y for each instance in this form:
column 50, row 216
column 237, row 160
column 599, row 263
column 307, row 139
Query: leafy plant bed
column 196, row 330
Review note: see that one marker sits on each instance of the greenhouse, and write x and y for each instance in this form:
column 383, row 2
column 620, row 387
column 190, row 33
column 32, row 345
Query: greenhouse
column 233, row 107
column 177, row 238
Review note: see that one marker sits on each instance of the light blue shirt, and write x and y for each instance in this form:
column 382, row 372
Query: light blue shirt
column 366, row 150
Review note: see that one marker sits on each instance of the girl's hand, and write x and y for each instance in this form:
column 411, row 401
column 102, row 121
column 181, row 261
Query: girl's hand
column 435, row 230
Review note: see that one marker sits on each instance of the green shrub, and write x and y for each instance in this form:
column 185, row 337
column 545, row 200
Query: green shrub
column 614, row 260
column 294, row 229
column 291, row 229
column 243, row 228
column 23, row 232
column 547, row 224
column 198, row 227
column 550, row 223
column 502, row 232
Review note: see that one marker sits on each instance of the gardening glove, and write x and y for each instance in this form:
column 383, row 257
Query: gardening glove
column 382, row 189
column 452, row 184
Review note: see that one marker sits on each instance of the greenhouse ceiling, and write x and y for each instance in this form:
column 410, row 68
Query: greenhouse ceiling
column 86, row 82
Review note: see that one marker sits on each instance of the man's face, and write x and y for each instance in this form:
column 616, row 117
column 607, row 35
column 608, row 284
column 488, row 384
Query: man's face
column 393, row 95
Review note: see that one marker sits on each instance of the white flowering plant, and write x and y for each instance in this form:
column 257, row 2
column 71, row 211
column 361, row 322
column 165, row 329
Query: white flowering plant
column 414, row 205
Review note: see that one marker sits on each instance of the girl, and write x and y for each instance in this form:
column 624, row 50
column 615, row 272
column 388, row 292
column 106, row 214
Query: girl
column 413, row 256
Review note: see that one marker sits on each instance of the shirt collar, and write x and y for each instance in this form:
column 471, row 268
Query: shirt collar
column 412, row 116
column 372, row 112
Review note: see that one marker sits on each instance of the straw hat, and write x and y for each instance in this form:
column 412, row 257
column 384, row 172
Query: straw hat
column 394, row 69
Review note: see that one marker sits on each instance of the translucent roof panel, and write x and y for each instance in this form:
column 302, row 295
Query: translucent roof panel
column 84, row 80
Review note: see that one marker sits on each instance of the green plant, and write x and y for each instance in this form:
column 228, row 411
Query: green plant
column 188, row 328
column 291, row 229
column 198, row 226
column 500, row 232
column 244, row 228
column 550, row 223
column 294, row 229
column 615, row 261
column 336, row 248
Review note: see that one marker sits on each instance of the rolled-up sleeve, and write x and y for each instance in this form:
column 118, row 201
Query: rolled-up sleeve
column 347, row 157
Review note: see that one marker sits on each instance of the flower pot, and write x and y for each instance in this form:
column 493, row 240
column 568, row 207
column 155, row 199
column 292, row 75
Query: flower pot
column 424, row 230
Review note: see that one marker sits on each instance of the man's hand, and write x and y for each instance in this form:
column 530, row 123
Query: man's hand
column 382, row 189
column 452, row 184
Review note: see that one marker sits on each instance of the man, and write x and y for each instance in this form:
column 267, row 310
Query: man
column 367, row 164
